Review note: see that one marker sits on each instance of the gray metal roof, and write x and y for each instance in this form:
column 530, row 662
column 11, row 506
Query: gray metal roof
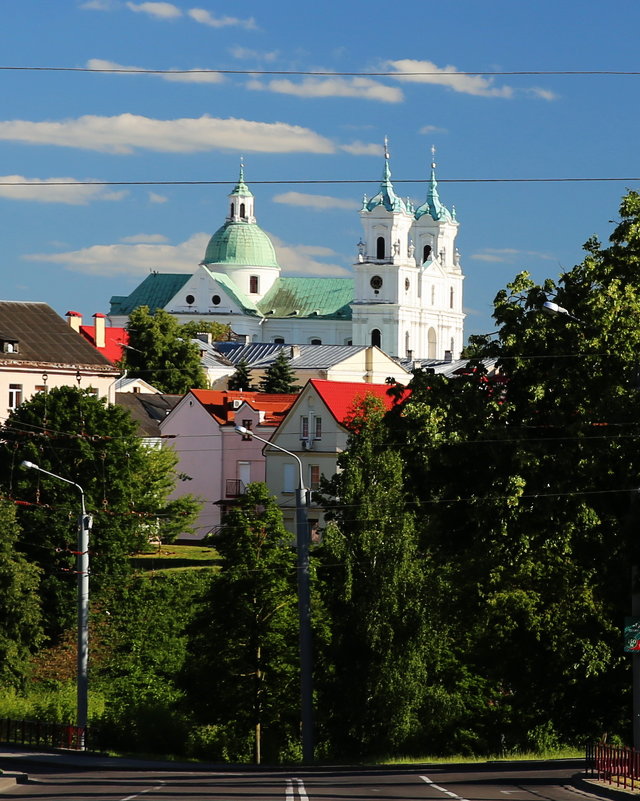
column 147, row 409
column 450, row 369
column 304, row 357
column 43, row 337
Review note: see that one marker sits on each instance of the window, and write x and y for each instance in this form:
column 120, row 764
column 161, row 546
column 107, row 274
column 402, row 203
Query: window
column 310, row 427
column 248, row 424
column 304, row 427
column 15, row 395
column 380, row 247
column 289, row 481
column 242, row 210
column 376, row 338
column 426, row 252
column 314, row 476
column 407, row 284
column 315, row 342
column 190, row 300
column 254, row 284
column 317, row 433
column 215, row 300
column 278, row 340
column 233, row 210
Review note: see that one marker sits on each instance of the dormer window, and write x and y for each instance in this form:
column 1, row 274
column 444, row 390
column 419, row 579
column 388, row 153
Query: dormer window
column 9, row 345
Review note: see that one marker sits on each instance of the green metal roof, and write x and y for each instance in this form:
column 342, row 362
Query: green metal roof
column 242, row 243
column 155, row 291
column 433, row 205
column 241, row 188
column 386, row 195
column 326, row 298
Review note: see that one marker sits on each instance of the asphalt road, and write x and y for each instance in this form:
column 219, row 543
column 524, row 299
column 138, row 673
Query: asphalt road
column 550, row 781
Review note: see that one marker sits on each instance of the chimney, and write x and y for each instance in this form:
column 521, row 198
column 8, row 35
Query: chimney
column 100, row 337
column 204, row 336
column 295, row 351
column 74, row 319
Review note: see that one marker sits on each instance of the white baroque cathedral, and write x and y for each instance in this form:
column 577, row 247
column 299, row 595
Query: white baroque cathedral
column 406, row 296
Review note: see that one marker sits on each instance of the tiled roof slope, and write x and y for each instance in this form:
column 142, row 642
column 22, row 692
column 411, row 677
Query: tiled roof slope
column 155, row 291
column 340, row 396
column 328, row 298
column 115, row 339
column 147, row 409
column 43, row 337
column 219, row 404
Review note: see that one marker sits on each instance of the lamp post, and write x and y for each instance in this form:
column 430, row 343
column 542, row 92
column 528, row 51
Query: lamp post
column 82, row 571
column 304, row 601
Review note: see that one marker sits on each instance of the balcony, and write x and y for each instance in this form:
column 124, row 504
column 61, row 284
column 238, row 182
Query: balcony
column 234, row 488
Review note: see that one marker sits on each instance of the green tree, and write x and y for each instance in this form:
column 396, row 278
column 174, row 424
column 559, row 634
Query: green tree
column 243, row 668
column 241, row 379
column 20, row 615
column 375, row 589
column 162, row 353
column 75, row 435
column 219, row 331
column 280, row 378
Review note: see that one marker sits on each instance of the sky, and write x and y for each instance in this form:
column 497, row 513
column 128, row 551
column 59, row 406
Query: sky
column 162, row 150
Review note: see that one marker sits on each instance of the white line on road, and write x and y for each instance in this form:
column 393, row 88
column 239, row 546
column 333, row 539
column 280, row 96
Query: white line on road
column 442, row 789
column 142, row 792
column 290, row 790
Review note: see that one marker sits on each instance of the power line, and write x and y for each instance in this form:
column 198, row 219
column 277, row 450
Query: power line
column 320, row 73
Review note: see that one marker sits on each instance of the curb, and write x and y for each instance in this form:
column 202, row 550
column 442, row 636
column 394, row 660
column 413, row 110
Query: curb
column 8, row 780
column 596, row 788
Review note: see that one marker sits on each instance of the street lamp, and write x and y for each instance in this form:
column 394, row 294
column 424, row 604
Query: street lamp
column 304, row 601
column 82, row 571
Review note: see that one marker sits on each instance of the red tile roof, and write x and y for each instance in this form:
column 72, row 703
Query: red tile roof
column 115, row 339
column 219, row 404
column 340, row 396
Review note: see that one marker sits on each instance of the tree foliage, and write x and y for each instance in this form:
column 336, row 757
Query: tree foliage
column 20, row 614
column 244, row 652
column 71, row 433
column 241, row 379
column 162, row 352
column 280, row 378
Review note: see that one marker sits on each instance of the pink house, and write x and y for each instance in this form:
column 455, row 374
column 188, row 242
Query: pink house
column 215, row 463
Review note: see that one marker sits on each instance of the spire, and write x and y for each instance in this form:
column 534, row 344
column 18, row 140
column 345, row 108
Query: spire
column 386, row 195
column 241, row 188
column 433, row 204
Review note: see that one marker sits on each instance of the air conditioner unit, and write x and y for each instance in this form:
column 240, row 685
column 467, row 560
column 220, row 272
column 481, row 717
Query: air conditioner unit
column 237, row 403
column 307, row 444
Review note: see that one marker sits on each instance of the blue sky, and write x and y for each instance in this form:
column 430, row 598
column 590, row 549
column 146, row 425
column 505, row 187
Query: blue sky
column 76, row 246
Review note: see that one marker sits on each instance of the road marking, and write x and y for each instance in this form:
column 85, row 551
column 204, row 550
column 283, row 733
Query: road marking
column 142, row 792
column 442, row 789
column 291, row 789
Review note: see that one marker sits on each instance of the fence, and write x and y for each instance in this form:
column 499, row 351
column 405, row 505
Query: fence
column 614, row 765
column 47, row 735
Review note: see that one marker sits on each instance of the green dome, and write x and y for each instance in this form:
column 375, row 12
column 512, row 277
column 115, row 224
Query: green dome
column 241, row 243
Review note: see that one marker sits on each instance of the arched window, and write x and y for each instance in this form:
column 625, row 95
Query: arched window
column 242, row 211
column 278, row 340
column 254, row 284
column 315, row 342
column 451, row 298
column 380, row 247
column 431, row 344
column 233, row 210
column 426, row 252
column 376, row 338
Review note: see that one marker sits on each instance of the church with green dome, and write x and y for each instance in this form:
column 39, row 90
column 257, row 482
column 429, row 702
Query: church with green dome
column 405, row 297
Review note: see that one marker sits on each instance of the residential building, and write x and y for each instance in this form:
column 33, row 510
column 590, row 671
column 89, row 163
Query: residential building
column 216, row 463
column 39, row 351
column 406, row 297
column 109, row 340
column 315, row 430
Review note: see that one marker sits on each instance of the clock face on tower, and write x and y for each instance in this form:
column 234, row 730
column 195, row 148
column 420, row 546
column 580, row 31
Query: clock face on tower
column 376, row 282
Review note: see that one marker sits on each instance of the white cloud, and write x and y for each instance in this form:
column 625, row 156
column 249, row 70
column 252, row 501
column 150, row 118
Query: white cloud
column 427, row 129
column 544, row 94
column 130, row 259
column 318, row 202
column 447, row 76
column 509, row 255
column 136, row 258
column 44, row 190
column 97, row 5
column 299, row 260
column 125, row 133
column 148, row 238
column 154, row 197
column 363, row 149
column 242, row 53
column 207, row 18
column 364, row 88
column 190, row 76
column 158, row 10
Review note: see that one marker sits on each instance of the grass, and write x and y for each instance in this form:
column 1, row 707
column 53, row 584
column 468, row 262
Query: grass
column 193, row 552
column 559, row 753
